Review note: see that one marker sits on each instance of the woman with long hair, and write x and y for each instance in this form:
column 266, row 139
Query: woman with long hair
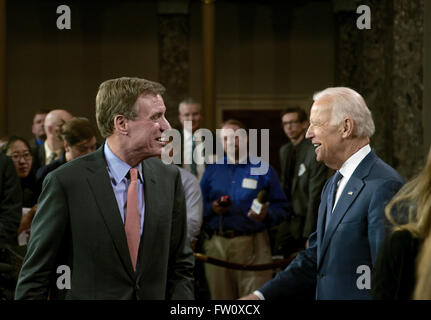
column 18, row 149
column 403, row 267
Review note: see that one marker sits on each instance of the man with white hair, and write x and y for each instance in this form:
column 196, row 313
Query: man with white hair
column 350, row 224
column 52, row 148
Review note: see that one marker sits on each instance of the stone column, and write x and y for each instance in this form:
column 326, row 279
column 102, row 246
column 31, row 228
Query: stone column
column 385, row 65
column 174, row 35
column 3, row 98
column 208, row 59
column 426, row 115
column 407, row 84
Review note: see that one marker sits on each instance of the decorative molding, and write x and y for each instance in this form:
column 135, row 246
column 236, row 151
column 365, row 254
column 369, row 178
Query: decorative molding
column 173, row 6
column 260, row 102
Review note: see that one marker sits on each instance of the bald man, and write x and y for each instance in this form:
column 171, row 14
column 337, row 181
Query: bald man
column 53, row 147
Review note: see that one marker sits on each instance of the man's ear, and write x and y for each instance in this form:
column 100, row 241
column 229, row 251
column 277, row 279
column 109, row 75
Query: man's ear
column 66, row 146
column 347, row 128
column 49, row 129
column 121, row 124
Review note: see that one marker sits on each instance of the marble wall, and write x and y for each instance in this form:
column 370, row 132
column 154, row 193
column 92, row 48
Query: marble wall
column 385, row 64
column 174, row 34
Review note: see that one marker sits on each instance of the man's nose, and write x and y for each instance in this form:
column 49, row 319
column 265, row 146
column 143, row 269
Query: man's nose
column 309, row 133
column 164, row 125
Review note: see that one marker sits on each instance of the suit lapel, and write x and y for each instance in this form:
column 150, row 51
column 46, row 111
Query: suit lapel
column 347, row 197
column 294, row 179
column 321, row 217
column 285, row 154
column 101, row 187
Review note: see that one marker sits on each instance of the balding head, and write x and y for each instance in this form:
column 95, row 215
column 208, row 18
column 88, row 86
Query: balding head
column 54, row 120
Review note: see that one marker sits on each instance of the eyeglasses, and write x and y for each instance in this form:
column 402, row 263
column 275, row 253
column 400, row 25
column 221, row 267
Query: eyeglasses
column 17, row 156
column 292, row 122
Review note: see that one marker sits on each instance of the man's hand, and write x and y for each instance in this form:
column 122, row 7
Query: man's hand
column 259, row 217
column 217, row 208
column 250, row 296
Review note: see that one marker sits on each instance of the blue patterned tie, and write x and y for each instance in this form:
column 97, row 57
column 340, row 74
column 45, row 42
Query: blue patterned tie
column 331, row 196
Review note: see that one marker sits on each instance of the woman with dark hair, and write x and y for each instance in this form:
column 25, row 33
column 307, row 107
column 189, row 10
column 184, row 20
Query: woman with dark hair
column 18, row 149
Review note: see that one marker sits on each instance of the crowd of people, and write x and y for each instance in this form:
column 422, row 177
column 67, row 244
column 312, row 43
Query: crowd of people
column 126, row 224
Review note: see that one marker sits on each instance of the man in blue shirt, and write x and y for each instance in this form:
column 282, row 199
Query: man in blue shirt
column 238, row 234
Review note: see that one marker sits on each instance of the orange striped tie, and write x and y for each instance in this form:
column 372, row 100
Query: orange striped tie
column 132, row 220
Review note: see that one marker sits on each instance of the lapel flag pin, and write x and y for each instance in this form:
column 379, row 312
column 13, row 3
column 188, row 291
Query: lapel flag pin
column 350, row 193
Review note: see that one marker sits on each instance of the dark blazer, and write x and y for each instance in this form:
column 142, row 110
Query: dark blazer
column 308, row 180
column 38, row 157
column 394, row 276
column 78, row 224
column 352, row 238
column 10, row 201
column 43, row 171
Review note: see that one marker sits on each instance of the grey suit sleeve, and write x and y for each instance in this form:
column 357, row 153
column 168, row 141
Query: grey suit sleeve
column 297, row 279
column 181, row 260
column 47, row 231
column 194, row 205
column 10, row 201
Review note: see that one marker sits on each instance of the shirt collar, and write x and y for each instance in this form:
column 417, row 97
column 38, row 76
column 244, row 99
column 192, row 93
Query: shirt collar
column 118, row 168
column 48, row 150
column 350, row 165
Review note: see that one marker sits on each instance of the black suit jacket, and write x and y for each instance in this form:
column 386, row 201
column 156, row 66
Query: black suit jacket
column 78, row 224
column 308, row 181
column 38, row 157
column 10, row 201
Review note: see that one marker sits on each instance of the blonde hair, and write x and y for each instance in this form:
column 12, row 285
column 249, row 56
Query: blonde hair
column 118, row 97
column 415, row 196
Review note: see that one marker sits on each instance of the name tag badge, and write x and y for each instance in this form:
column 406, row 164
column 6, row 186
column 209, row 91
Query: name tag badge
column 249, row 183
column 301, row 170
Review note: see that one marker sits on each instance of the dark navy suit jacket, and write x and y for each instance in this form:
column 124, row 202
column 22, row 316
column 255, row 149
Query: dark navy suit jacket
column 353, row 236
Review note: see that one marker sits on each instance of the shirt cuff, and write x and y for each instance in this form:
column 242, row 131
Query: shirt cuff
column 259, row 295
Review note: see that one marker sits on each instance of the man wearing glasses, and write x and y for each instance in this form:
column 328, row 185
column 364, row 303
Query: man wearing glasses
column 302, row 179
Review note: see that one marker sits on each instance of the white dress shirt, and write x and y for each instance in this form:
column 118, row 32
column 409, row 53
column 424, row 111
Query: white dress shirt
column 348, row 167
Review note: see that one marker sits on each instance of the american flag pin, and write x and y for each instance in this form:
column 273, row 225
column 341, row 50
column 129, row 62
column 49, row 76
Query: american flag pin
column 350, row 193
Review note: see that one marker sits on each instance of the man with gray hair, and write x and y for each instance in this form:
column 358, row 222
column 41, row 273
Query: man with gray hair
column 112, row 224
column 351, row 225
